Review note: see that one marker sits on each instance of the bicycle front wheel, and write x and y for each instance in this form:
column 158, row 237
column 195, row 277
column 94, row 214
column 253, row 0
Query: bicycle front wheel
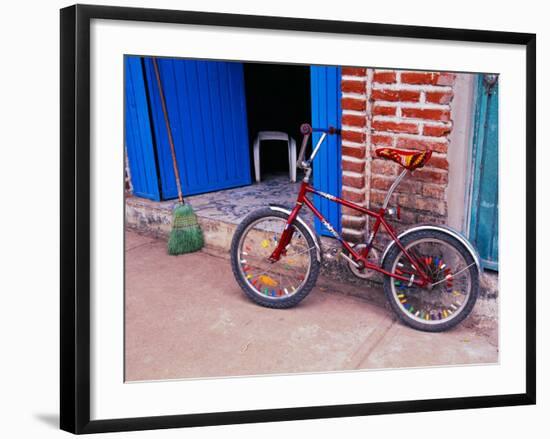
column 454, row 281
column 280, row 284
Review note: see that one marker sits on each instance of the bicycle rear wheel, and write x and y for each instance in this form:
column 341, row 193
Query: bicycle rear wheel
column 280, row 284
column 454, row 281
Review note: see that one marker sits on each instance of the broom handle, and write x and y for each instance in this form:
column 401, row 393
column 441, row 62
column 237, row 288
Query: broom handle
column 170, row 139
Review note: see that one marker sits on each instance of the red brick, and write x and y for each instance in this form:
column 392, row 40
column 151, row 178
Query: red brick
column 407, row 216
column 354, row 181
column 385, row 77
column 380, row 110
column 420, row 78
column 436, row 130
column 439, row 97
column 354, row 136
column 395, row 95
column 438, row 162
column 377, row 197
column 427, row 113
column 380, row 182
column 410, row 186
column 433, row 191
column 351, row 237
column 353, row 120
column 356, row 151
column 357, row 224
column 431, row 219
column 384, row 167
column 446, row 79
column 354, row 197
column 353, row 166
column 351, row 212
column 395, row 127
column 354, row 104
column 429, row 78
column 354, row 71
column 411, row 143
column 431, row 176
column 381, row 140
column 354, row 86
column 420, row 203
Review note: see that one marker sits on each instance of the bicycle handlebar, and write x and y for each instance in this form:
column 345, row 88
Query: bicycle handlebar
column 307, row 129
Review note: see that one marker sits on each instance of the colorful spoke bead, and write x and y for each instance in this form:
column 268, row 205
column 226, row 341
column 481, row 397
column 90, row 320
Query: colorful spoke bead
column 267, row 280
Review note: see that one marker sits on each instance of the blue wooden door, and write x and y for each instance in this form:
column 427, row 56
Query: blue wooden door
column 327, row 171
column 484, row 199
column 137, row 132
column 207, row 112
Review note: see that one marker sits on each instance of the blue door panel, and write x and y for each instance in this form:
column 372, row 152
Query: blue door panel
column 137, row 132
column 327, row 171
column 207, row 112
column 484, row 200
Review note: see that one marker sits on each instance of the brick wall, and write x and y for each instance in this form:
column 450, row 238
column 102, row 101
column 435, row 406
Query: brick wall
column 402, row 109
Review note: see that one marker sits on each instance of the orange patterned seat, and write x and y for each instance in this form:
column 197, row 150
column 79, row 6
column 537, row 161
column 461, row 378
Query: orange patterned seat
column 410, row 159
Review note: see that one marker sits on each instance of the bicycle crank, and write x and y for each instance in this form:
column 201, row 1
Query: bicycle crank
column 357, row 269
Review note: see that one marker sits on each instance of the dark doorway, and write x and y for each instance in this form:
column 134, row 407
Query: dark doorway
column 278, row 98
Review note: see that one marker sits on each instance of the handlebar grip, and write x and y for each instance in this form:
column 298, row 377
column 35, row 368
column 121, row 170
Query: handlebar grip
column 305, row 128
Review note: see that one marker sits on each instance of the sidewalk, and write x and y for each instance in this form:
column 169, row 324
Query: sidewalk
column 186, row 317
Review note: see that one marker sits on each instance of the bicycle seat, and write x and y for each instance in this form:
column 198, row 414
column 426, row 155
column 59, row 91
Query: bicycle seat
column 410, row 159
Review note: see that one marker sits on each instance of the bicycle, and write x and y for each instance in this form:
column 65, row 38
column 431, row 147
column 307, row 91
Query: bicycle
column 431, row 272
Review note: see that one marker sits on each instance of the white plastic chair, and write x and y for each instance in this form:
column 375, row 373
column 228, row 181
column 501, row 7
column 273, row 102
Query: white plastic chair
column 275, row 135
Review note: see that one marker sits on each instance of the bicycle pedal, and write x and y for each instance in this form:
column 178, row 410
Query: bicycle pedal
column 333, row 253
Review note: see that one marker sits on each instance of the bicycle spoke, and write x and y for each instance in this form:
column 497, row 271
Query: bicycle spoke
column 446, row 294
column 274, row 279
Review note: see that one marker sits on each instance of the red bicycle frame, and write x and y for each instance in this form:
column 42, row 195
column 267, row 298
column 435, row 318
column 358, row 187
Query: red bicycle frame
column 379, row 217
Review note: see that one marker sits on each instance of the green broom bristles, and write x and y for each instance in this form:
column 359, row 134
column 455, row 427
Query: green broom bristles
column 186, row 235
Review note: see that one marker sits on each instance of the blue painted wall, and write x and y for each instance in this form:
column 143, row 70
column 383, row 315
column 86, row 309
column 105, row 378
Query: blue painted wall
column 484, row 199
column 207, row 111
column 137, row 135
column 327, row 169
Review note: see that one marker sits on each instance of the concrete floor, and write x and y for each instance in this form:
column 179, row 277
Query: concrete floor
column 186, row 317
column 232, row 205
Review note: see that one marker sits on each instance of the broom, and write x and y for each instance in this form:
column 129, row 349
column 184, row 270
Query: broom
column 186, row 235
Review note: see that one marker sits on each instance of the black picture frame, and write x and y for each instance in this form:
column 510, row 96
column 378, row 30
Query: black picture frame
column 75, row 217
